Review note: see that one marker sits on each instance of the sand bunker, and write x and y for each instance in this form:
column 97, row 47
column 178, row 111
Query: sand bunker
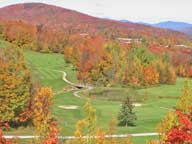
column 137, row 104
column 69, row 107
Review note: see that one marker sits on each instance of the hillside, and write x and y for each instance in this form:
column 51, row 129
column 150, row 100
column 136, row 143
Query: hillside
column 38, row 13
column 178, row 26
column 188, row 30
column 67, row 77
column 169, row 25
column 59, row 18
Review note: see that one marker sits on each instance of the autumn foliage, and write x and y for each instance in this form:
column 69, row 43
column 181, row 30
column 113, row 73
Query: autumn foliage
column 182, row 132
column 23, row 103
column 52, row 137
column 92, row 48
column 3, row 140
column 42, row 117
column 14, row 86
column 176, row 127
column 41, row 107
column 100, row 61
column 61, row 19
column 92, row 45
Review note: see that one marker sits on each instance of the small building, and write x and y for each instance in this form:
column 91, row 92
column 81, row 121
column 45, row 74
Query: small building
column 129, row 40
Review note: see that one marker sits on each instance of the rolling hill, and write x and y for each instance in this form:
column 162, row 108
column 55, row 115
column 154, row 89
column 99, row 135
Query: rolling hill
column 169, row 25
column 178, row 26
column 188, row 30
column 58, row 18
column 38, row 13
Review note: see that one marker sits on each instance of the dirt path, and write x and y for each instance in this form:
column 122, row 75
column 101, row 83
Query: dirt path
column 82, row 87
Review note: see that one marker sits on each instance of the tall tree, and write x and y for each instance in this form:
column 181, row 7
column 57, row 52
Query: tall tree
column 185, row 100
column 90, row 120
column 86, row 126
column 14, row 84
column 42, row 116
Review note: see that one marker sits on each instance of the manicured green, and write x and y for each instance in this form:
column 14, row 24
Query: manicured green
column 115, row 94
column 157, row 102
column 153, row 109
column 44, row 69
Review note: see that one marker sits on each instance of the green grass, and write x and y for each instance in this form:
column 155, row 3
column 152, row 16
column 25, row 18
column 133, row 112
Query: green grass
column 143, row 140
column 43, row 66
column 166, row 90
column 115, row 94
column 149, row 115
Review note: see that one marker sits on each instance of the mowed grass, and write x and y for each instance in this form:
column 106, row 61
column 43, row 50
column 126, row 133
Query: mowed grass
column 44, row 69
column 159, row 101
column 149, row 115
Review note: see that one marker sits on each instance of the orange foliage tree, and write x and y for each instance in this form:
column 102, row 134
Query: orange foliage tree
column 42, row 117
column 3, row 140
column 14, row 85
column 176, row 127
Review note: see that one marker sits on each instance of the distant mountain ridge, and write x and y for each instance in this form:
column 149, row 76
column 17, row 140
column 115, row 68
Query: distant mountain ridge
column 171, row 25
column 61, row 19
column 187, row 31
column 177, row 26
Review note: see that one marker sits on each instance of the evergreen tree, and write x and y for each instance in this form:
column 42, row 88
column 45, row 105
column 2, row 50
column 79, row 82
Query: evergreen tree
column 126, row 116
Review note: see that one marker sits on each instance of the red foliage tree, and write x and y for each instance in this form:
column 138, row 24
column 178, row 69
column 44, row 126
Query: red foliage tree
column 182, row 132
column 53, row 134
column 3, row 140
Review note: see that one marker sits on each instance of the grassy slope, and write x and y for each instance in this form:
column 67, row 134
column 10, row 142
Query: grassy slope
column 42, row 64
column 148, row 115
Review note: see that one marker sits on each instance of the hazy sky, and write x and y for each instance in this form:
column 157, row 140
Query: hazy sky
column 133, row 10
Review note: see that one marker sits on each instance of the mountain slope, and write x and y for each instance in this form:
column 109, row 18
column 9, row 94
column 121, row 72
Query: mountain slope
column 59, row 18
column 38, row 13
column 178, row 26
column 188, row 31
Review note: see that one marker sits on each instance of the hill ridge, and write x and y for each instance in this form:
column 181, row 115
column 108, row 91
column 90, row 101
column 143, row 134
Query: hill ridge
column 61, row 18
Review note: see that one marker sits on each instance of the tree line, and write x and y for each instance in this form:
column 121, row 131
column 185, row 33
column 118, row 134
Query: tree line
column 102, row 59
column 107, row 63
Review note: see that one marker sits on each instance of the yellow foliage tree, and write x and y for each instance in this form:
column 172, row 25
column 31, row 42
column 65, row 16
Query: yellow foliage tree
column 171, row 78
column 100, row 137
column 186, row 97
column 81, row 124
column 14, row 84
column 89, row 124
column 41, row 112
column 170, row 120
column 166, row 124
column 90, row 120
column 111, row 131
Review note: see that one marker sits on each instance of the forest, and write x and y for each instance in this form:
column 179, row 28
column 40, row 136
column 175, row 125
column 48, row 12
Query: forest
column 103, row 54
